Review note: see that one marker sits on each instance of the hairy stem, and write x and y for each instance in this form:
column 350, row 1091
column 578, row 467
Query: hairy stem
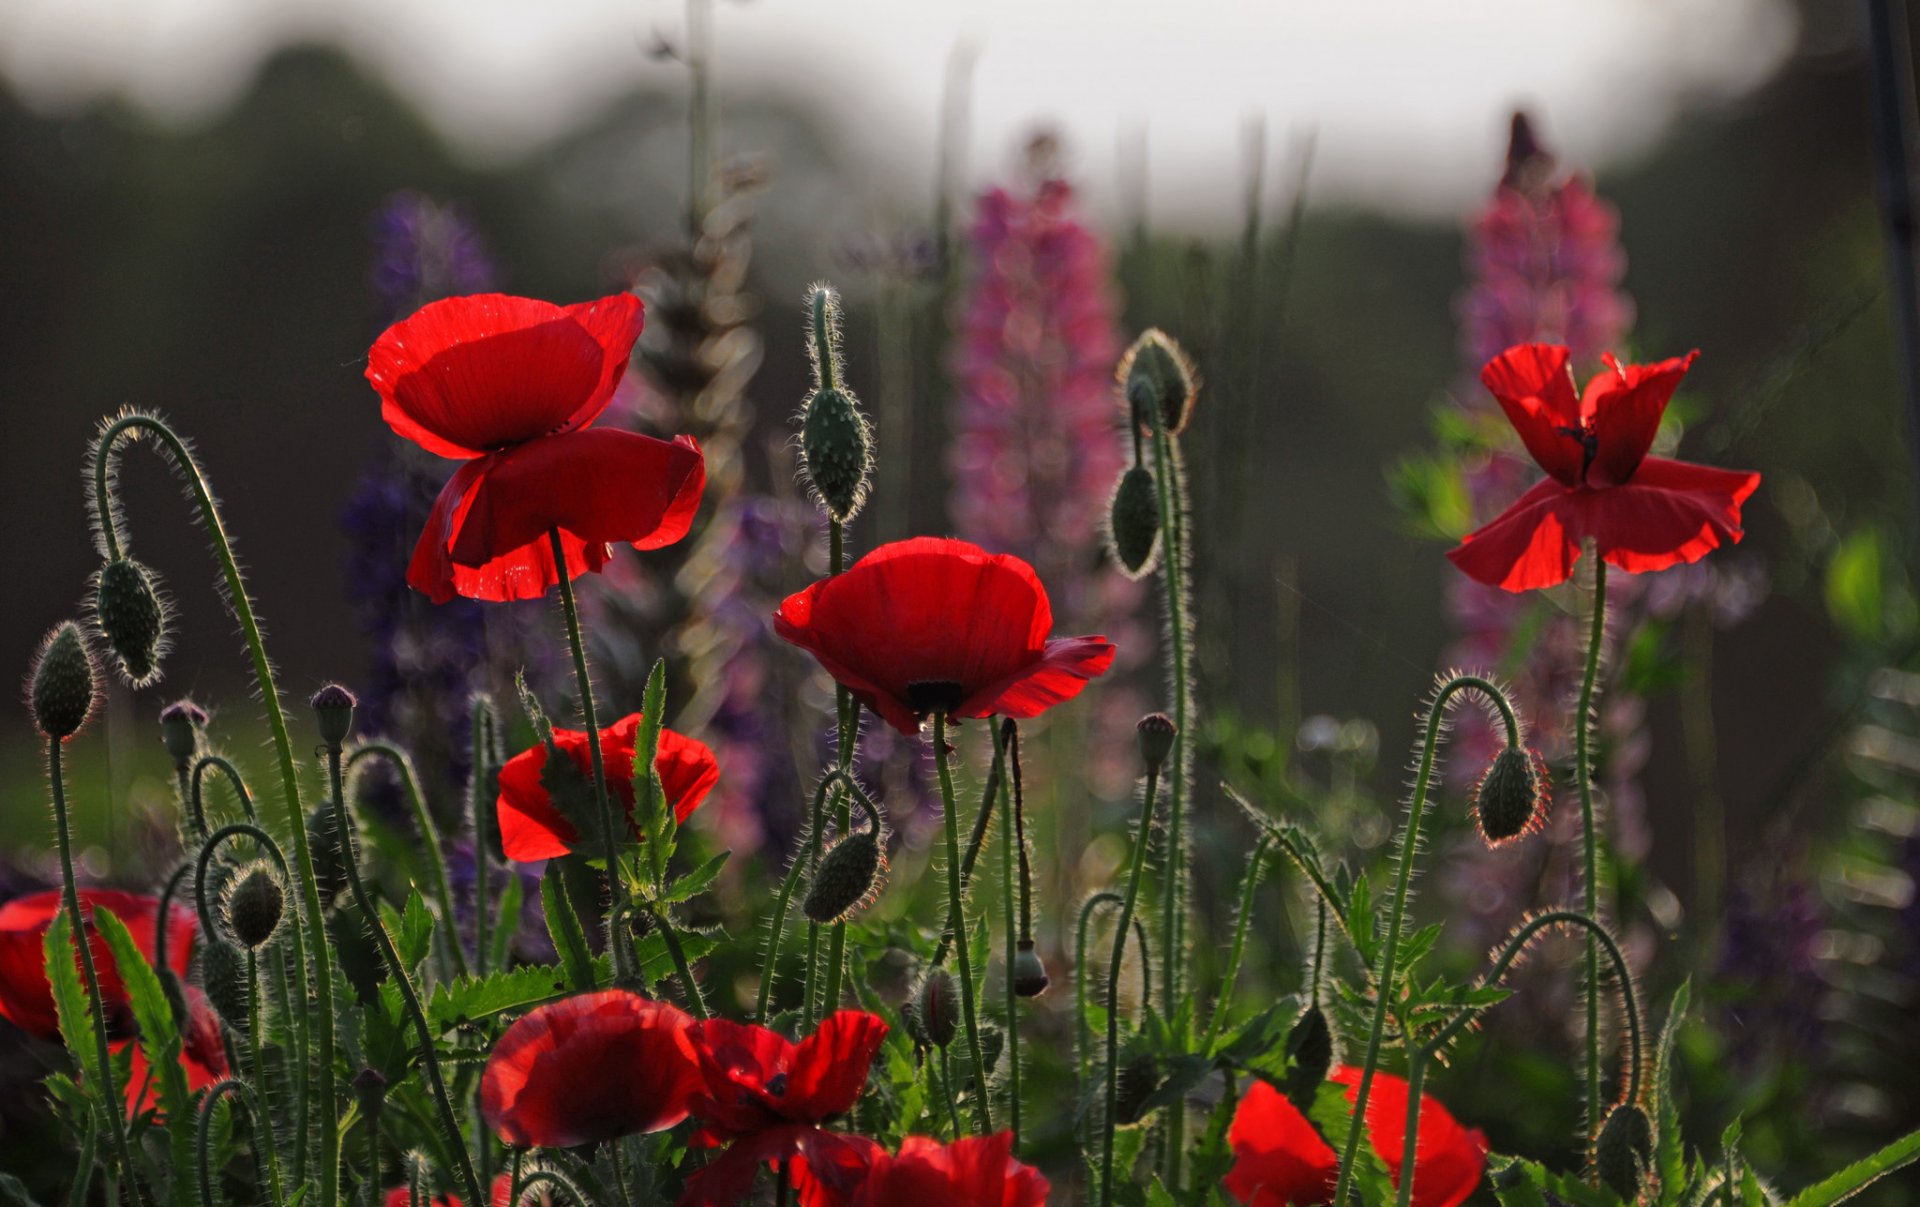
column 429, row 838
column 1248, row 883
column 1589, row 843
column 1114, row 963
column 957, row 925
column 1009, row 886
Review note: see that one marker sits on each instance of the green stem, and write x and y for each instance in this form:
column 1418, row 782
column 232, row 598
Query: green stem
column 402, row 977
column 776, row 929
column 946, row 1091
column 1083, row 1034
column 299, row 1034
column 257, row 1066
column 1248, row 882
column 183, row 462
column 257, row 1124
column 982, row 820
column 1408, row 847
column 689, row 987
column 847, row 713
column 196, row 793
column 957, row 925
column 1410, row 1150
column 482, row 726
column 110, row 1101
column 1113, row 982
column 1589, row 843
column 1009, row 886
column 429, row 837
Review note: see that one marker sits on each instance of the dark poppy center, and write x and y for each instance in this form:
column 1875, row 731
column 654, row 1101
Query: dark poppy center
column 1589, row 445
column 777, row 1085
column 929, row 696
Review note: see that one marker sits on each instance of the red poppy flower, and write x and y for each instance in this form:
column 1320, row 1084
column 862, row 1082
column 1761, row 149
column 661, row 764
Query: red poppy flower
column 1642, row 513
column 975, row 1171
column 590, row 1067
column 202, row 1054
column 498, row 1194
column 768, row 1095
column 25, row 997
column 532, row 828
column 933, row 625
column 1281, row 1161
column 508, row 385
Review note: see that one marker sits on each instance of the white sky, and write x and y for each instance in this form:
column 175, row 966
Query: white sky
column 1408, row 97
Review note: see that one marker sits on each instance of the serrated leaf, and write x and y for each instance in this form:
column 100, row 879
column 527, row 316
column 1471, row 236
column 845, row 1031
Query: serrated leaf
column 1179, row 1077
column 70, row 999
column 1415, row 946
column 1861, row 1174
column 1669, row 1156
column 473, row 999
column 1571, row 1190
column 655, row 821
column 411, row 930
column 159, row 1041
column 1332, row 1114
column 571, row 792
column 564, row 927
column 694, row 883
column 656, row 962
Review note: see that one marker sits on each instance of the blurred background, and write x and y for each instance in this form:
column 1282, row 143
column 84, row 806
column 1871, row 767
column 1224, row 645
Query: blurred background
column 211, row 207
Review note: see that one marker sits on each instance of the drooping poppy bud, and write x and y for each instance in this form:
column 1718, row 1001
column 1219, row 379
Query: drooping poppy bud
column 1157, row 732
column 1133, row 522
column 223, row 975
column 1309, row 1056
column 1511, row 799
column 182, row 724
column 333, row 707
column 846, row 877
column 132, row 618
column 1624, row 1149
column 63, row 684
column 1029, row 973
column 936, row 1008
column 255, row 905
column 1159, row 381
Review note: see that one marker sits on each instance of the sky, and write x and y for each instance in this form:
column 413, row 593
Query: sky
column 1406, row 100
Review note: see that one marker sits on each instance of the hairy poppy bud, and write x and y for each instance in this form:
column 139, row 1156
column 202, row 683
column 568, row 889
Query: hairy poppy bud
column 181, row 723
column 1159, row 382
column 333, row 707
column 370, row 1090
column 1624, row 1149
column 63, row 683
column 255, row 904
column 1133, row 521
column 1309, row 1055
column 936, row 1008
column 1511, row 799
column 131, row 618
column 835, row 451
column 1139, row 1078
column 1157, row 732
column 1029, row 973
column 223, row 975
column 846, row 877
column 323, row 844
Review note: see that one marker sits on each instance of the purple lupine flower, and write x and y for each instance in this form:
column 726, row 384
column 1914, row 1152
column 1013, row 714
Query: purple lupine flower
column 424, row 251
column 1770, row 965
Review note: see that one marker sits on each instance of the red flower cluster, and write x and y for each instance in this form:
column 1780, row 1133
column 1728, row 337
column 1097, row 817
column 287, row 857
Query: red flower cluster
column 975, row 1171
column 508, row 386
column 532, row 828
column 26, row 999
column 1642, row 513
column 1281, row 1161
column 933, row 625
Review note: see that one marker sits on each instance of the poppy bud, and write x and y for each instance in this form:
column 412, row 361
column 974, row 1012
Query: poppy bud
column 1309, row 1055
column 181, row 723
column 1138, row 1080
column 1624, row 1149
column 131, row 617
column 1133, row 521
column 1029, row 974
column 333, row 707
column 835, row 451
column 223, row 974
column 323, row 844
column 254, row 906
column 936, row 1008
column 846, row 877
column 1157, row 732
column 63, row 682
column 1511, row 799
column 370, row 1090
column 1159, row 382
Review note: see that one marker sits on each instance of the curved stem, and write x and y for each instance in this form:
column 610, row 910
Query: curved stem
column 235, row 1088
column 1113, row 982
column 196, row 795
column 1007, row 740
column 1248, row 882
column 1409, row 846
column 1589, row 843
column 957, row 925
column 777, row 926
column 110, row 1101
column 160, row 927
column 429, row 837
column 108, row 514
column 238, row 829
column 1083, row 1034
column 410, row 998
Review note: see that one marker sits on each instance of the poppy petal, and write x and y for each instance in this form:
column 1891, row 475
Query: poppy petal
column 1671, row 512
column 532, row 828
column 1534, row 386
column 1279, row 1159
column 1526, row 547
column 1066, row 667
column 1623, row 407
column 727, row 1180
column 1448, row 1158
column 738, row 1062
column 469, row 375
column 26, row 999
column 830, row 1067
column 588, row 1068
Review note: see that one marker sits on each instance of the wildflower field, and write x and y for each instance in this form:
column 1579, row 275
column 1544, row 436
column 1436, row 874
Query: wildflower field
column 770, row 700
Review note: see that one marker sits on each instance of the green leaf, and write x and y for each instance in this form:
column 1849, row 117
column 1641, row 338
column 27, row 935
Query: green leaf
column 507, row 924
column 1862, row 1173
column 1855, row 585
column 472, row 999
column 571, row 791
column 656, row 822
column 1669, row 1158
column 159, row 1041
column 564, row 926
column 656, row 963
column 697, row 881
column 1562, row 1186
column 70, row 999
column 412, row 931
column 1332, row 1114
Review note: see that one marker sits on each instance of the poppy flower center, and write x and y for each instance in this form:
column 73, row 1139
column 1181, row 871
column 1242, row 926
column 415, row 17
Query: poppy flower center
column 1589, row 442
column 777, row 1085
column 928, row 696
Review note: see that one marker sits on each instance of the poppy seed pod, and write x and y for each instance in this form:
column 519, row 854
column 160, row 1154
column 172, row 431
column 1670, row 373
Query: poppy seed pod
column 1309, row 1055
column 223, row 975
column 845, row 878
column 63, row 684
column 836, row 451
column 333, row 707
column 131, row 617
column 1159, row 382
column 1157, row 732
column 1624, row 1149
column 936, row 1008
column 1511, row 799
column 255, row 904
column 1029, row 973
column 181, row 724
column 1133, row 521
